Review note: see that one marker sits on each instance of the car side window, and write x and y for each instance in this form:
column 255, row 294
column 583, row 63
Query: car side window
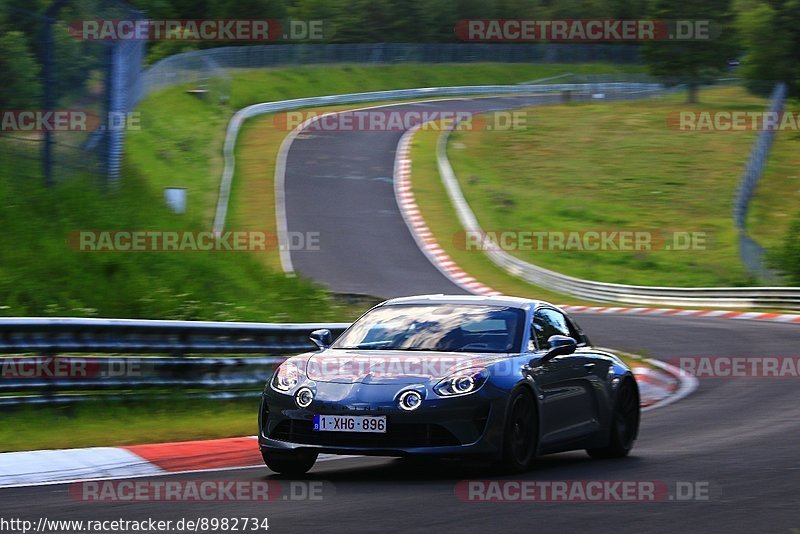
column 575, row 332
column 545, row 325
column 568, row 327
column 558, row 321
column 537, row 334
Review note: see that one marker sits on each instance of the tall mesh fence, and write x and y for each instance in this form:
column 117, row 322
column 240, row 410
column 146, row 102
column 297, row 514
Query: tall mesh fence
column 94, row 78
column 209, row 66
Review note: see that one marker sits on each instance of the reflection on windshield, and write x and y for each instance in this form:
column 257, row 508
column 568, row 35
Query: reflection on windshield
column 441, row 327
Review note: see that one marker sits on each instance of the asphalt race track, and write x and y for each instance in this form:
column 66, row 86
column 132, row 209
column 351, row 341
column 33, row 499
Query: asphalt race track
column 736, row 436
column 339, row 183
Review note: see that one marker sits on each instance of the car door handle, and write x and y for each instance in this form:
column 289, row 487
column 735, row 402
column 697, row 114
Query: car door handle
column 588, row 366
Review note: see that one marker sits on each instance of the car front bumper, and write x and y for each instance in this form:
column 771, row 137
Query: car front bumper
column 455, row 426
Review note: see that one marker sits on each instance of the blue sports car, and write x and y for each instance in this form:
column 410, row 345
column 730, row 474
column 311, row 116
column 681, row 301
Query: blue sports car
column 501, row 378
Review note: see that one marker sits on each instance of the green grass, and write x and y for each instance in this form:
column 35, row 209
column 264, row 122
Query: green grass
column 124, row 423
column 41, row 274
column 179, row 145
column 777, row 199
column 249, row 87
column 617, row 166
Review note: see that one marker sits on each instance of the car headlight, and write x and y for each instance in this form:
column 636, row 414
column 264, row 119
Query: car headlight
column 287, row 376
column 462, row 382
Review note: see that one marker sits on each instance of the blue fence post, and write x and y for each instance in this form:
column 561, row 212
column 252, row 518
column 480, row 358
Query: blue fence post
column 750, row 252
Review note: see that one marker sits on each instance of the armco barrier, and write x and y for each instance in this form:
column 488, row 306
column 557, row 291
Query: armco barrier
column 176, row 357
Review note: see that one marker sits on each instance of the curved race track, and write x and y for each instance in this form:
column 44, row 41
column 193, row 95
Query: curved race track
column 737, row 435
column 339, row 184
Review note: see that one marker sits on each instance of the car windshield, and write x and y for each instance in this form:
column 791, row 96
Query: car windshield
column 437, row 327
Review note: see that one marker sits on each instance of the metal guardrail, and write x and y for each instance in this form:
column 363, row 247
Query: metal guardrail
column 723, row 297
column 243, row 114
column 46, row 369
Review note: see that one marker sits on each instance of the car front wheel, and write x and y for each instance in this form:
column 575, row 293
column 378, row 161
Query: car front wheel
column 625, row 424
column 289, row 462
column 520, row 440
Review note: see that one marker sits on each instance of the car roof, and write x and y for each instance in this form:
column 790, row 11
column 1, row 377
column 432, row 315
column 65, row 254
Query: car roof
column 500, row 300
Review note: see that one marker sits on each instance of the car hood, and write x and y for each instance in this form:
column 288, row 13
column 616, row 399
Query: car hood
column 390, row 367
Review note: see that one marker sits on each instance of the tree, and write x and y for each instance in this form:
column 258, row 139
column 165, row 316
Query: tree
column 24, row 16
column 71, row 63
column 771, row 34
column 692, row 62
column 20, row 88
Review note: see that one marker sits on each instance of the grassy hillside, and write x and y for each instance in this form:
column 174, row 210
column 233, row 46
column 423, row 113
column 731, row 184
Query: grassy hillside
column 40, row 274
column 618, row 166
column 777, row 199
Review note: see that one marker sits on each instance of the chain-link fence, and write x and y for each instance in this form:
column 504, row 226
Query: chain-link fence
column 199, row 68
column 87, row 81
column 206, row 68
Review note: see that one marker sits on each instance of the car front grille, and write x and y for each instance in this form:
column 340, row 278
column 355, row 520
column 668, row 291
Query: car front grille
column 397, row 435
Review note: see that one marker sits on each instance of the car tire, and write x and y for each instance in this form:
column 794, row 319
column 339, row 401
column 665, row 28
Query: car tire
column 289, row 462
column 520, row 439
column 625, row 423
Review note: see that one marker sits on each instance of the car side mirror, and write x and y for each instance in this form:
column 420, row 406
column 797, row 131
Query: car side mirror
column 559, row 346
column 322, row 338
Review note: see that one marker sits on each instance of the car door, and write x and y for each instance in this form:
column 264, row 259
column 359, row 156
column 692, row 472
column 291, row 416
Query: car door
column 596, row 368
column 567, row 383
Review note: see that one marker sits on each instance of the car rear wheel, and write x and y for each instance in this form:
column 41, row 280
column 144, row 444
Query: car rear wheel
column 289, row 462
column 625, row 424
column 520, row 440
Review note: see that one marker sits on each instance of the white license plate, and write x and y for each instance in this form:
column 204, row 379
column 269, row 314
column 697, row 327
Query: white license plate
column 374, row 424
